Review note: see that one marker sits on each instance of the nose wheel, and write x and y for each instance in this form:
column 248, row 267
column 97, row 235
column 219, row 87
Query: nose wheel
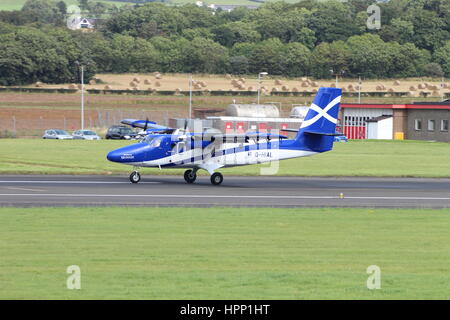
column 216, row 178
column 135, row 177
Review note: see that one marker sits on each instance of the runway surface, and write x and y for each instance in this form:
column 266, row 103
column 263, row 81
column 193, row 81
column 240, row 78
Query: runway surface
column 261, row 191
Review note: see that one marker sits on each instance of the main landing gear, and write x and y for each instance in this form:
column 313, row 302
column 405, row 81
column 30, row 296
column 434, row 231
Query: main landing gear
column 191, row 175
column 216, row 178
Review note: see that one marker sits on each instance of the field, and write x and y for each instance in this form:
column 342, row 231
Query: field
column 250, row 83
column 18, row 4
column 355, row 158
column 222, row 253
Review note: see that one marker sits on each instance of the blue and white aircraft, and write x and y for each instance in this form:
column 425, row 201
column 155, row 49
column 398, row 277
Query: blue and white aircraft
column 177, row 148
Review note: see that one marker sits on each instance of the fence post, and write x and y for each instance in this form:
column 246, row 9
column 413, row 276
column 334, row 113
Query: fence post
column 14, row 125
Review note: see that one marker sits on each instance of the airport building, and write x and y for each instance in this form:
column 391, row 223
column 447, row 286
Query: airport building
column 417, row 121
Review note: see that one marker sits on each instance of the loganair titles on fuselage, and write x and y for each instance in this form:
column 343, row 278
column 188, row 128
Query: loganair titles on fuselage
column 165, row 147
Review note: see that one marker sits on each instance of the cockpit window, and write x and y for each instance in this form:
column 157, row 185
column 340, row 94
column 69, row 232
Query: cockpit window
column 152, row 141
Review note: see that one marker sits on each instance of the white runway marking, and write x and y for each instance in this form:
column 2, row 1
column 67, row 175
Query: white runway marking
column 212, row 196
column 24, row 189
column 73, row 182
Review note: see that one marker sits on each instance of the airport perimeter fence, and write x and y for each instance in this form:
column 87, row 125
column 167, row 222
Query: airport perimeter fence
column 26, row 123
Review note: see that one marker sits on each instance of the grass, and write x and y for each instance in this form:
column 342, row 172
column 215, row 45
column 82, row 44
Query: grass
column 18, row 4
column 356, row 158
column 224, row 253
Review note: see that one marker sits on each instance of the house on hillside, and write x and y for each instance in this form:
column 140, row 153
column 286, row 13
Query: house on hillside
column 78, row 23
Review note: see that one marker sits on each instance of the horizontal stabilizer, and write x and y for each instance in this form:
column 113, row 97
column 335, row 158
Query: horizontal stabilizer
column 324, row 133
column 289, row 130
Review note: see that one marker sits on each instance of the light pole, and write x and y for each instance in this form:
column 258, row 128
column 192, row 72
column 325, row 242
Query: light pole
column 332, row 72
column 359, row 90
column 259, row 82
column 190, row 97
column 82, row 93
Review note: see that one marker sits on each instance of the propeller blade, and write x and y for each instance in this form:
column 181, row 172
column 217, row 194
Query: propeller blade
column 146, row 124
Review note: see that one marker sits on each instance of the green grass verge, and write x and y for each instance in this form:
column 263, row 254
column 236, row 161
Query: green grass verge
column 356, row 158
column 224, row 253
column 18, row 4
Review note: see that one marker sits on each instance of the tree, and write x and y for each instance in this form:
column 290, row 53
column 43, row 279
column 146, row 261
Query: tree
column 62, row 7
column 433, row 70
column 205, row 56
column 268, row 56
column 429, row 32
column 133, row 54
column 44, row 11
column 306, row 37
column 332, row 20
column 296, row 59
column 171, row 58
column 442, row 56
column 190, row 34
column 233, row 32
column 164, row 20
column 284, row 25
column 84, row 4
column 370, row 56
column 29, row 55
column 328, row 59
column 239, row 65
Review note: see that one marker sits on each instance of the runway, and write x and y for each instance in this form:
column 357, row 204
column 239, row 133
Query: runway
column 261, row 191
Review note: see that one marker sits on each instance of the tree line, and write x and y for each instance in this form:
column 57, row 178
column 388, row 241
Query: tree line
column 308, row 38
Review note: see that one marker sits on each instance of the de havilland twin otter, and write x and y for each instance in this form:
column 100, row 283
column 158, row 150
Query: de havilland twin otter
column 164, row 147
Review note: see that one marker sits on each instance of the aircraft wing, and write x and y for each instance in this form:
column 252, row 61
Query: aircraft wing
column 151, row 126
column 238, row 137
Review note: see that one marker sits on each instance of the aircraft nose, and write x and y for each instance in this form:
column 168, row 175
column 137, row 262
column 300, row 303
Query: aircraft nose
column 114, row 156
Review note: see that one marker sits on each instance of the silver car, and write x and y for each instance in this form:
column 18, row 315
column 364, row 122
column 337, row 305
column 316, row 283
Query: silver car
column 57, row 134
column 85, row 135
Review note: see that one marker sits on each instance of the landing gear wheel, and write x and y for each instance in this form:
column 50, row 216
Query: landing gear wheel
column 190, row 176
column 216, row 178
column 135, row 177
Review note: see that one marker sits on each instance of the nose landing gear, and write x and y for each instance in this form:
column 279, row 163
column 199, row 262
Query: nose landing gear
column 135, row 177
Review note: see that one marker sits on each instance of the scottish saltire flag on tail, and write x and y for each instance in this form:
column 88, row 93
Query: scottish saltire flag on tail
column 317, row 130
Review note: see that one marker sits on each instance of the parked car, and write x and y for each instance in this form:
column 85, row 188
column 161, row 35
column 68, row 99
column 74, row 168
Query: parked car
column 57, row 134
column 85, row 135
column 120, row 132
column 340, row 137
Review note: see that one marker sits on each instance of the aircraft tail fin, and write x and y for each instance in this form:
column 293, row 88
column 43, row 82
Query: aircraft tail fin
column 317, row 130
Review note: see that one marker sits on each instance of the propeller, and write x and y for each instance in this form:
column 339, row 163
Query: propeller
column 146, row 124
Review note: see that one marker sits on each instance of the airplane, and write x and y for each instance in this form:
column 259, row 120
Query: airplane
column 212, row 150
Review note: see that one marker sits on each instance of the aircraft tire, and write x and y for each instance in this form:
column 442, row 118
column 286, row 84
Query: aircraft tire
column 135, row 177
column 189, row 177
column 216, row 178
